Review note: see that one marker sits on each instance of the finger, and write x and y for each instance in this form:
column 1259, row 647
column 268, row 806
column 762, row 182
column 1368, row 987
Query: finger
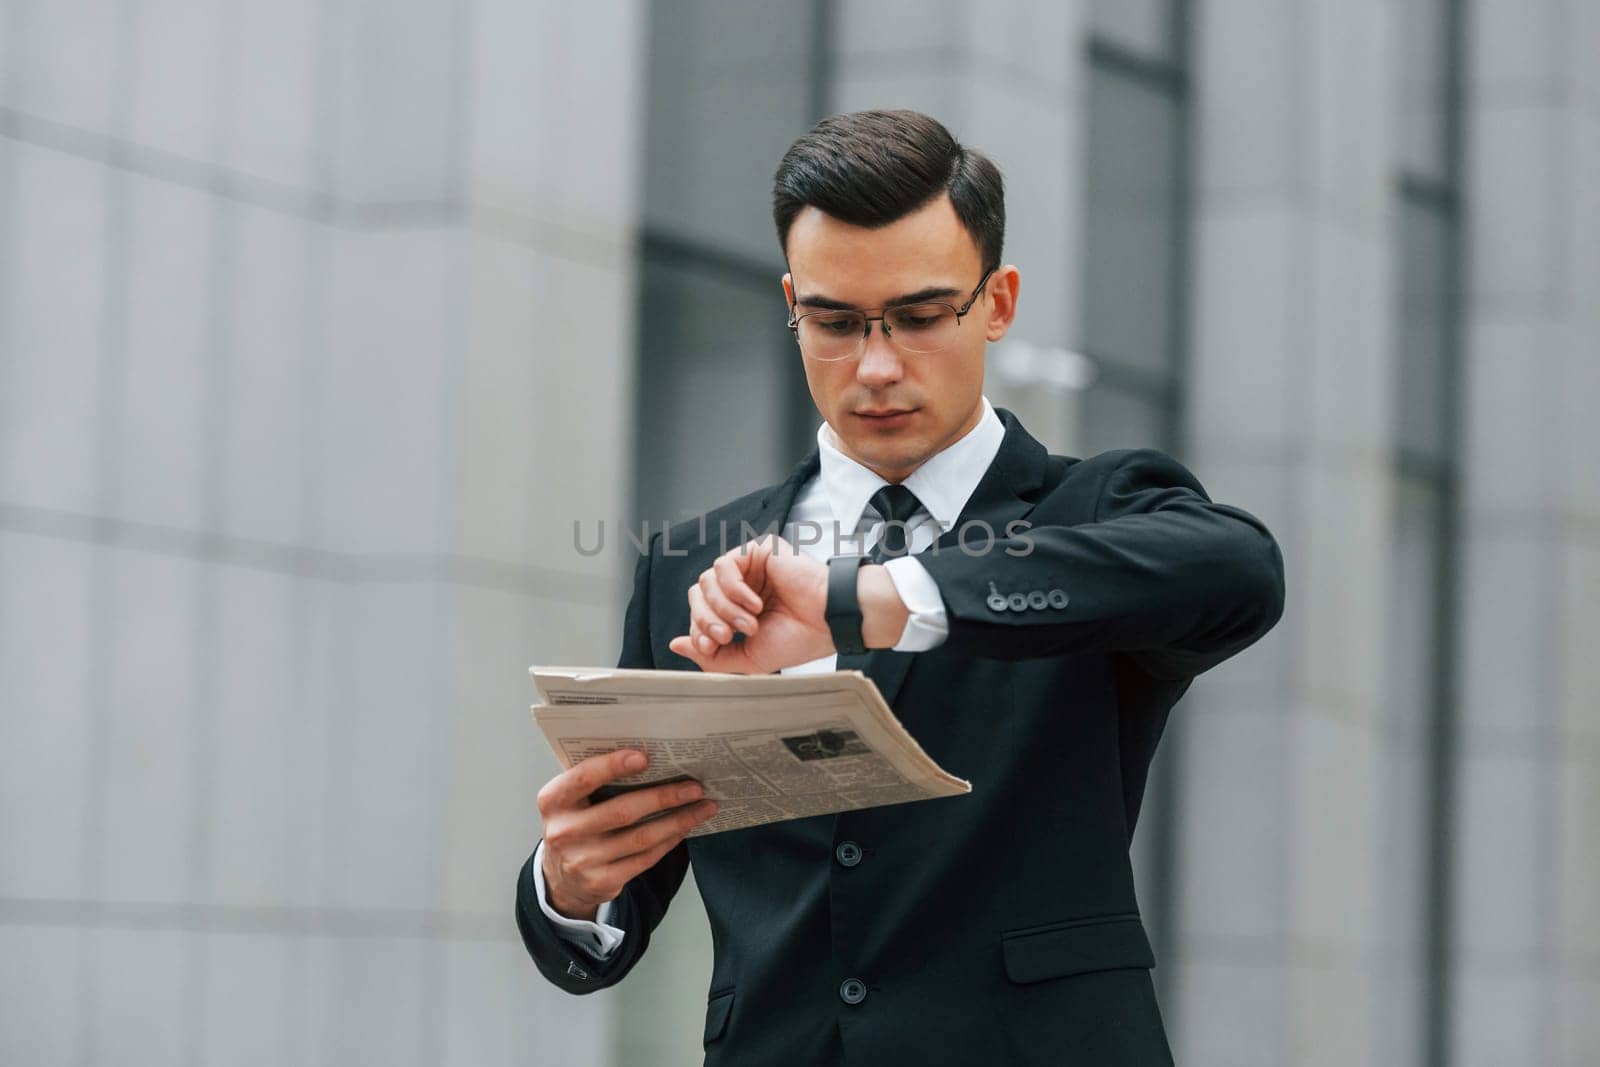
column 727, row 612
column 626, row 870
column 685, row 647
column 582, row 847
column 721, row 611
column 711, row 628
column 629, row 808
column 592, row 855
column 756, row 555
column 571, row 787
column 734, row 583
column 646, row 836
column 697, row 634
column 727, row 659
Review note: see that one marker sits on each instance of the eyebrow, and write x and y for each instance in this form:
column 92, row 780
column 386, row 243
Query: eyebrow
column 932, row 292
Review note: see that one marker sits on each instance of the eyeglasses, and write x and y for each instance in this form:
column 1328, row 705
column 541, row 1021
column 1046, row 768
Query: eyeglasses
column 920, row 329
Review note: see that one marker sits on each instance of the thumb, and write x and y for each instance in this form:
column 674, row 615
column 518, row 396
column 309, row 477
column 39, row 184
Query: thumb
column 727, row 659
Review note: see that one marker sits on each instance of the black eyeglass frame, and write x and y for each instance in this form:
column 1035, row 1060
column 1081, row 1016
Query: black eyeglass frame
column 868, row 320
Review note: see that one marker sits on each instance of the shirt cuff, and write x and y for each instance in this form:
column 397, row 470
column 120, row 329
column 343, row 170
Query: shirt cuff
column 599, row 938
column 926, row 627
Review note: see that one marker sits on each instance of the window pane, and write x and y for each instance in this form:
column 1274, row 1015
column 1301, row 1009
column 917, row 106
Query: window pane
column 729, row 90
column 1424, row 305
column 1119, row 418
column 1144, row 27
column 710, row 346
column 1132, row 235
column 1412, row 643
column 1404, row 773
column 1422, row 82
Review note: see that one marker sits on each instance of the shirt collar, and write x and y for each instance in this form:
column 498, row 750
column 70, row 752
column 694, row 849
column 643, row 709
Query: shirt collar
column 943, row 483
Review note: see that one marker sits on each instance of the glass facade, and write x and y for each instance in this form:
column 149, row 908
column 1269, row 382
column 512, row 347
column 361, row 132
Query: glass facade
column 320, row 322
column 1136, row 236
column 711, row 308
column 1134, row 241
column 1422, row 709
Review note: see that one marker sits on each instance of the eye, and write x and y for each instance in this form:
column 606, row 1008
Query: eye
column 921, row 317
column 836, row 324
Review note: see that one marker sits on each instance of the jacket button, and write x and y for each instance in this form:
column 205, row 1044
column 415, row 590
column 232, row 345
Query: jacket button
column 852, row 991
column 1036, row 600
column 1057, row 598
column 848, row 854
column 1018, row 602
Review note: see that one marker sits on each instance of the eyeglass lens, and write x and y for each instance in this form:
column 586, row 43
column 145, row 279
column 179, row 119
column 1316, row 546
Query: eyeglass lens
column 831, row 335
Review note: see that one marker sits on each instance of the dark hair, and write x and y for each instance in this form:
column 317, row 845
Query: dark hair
column 870, row 168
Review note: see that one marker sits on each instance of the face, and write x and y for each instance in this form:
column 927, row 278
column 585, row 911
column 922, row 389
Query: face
column 940, row 394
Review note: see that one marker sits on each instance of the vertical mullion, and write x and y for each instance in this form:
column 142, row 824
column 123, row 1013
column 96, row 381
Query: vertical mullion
column 1164, row 848
column 1168, row 75
column 802, row 415
column 1439, row 903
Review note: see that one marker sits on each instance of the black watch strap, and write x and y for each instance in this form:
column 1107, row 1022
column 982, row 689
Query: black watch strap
column 843, row 610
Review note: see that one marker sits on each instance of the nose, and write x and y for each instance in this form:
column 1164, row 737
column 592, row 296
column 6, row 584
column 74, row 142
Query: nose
column 880, row 361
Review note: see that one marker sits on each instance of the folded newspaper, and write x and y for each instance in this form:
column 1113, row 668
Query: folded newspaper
column 765, row 747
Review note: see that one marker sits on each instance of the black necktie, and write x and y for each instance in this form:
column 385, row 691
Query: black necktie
column 896, row 504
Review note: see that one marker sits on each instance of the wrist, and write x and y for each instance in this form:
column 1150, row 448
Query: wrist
column 586, row 914
column 883, row 613
column 561, row 906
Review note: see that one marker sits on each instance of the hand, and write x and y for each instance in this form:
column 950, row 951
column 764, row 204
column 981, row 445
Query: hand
column 771, row 592
column 592, row 850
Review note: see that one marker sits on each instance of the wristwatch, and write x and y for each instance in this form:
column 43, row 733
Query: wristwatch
column 843, row 610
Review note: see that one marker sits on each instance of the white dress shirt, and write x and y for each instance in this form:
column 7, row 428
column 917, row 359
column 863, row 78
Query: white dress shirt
column 830, row 517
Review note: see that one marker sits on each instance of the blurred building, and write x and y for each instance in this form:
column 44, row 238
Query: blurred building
column 321, row 324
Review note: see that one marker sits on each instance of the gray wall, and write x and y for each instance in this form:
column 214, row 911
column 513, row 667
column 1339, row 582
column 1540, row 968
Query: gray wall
column 1288, row 877
column 316, row 328
column 321, row 322
column 1526, row 944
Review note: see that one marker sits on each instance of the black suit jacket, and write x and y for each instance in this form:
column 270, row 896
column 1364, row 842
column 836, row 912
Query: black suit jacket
column 1000, row 926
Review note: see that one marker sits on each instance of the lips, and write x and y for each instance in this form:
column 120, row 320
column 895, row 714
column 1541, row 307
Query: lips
column 885, row 420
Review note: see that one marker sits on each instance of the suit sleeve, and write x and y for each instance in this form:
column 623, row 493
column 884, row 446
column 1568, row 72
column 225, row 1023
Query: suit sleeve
column 1160, row 572
column 638, row 910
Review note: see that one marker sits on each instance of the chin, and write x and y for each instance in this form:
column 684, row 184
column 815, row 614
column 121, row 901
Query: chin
column 905, row 457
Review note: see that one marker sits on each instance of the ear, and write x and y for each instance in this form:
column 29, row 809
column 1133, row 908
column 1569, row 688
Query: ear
column 1001, row 295
column 788, row 288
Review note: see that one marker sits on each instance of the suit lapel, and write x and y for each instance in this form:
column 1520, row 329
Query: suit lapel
column 773, row 510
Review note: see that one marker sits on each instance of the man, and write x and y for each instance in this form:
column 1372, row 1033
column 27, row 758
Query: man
column 1032, row 622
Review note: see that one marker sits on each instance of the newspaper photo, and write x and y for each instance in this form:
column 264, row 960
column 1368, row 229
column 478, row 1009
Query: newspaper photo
column 764, row 747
